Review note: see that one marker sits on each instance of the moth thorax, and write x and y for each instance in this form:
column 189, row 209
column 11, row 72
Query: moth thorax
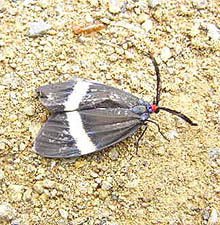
column 139, row 109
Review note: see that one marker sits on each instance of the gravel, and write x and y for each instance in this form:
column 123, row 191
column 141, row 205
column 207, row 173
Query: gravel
column 164, row 182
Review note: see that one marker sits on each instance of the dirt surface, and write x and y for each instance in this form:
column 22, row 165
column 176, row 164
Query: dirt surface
column 174, row 182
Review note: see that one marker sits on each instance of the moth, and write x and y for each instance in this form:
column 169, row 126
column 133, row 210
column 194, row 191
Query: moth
column 88, row 116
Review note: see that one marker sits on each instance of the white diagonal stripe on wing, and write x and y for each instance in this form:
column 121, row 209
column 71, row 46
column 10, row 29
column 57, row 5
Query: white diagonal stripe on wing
column 83, row 142
column 79, row 91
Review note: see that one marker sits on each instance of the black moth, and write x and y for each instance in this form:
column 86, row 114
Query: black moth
column 89, row 116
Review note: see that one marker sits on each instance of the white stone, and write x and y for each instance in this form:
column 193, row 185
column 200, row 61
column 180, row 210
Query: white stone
column 147, row 25
column 106, row 185
column 16, row 192
column 213, row 31
column 7, row 213
column 165, row 54
column 218, row 116
column 113, row 154
column 1, row 174
column 94, row 3
column 200, row 4
column 114, row 6
column 89, row 18
column 214, row 218
column 129, row 55
column 38, row 28
column 29, row 110
column 154, row 3
column 63, row 213
column 27, row 2
column 2, row 43
column 173, row 134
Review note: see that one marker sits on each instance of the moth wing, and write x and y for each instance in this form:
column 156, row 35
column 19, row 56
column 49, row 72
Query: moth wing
column 79, row 94
column 71, row 134
column 54, row 96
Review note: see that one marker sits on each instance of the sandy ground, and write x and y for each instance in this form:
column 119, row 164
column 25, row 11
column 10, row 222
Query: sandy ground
column 174, row 182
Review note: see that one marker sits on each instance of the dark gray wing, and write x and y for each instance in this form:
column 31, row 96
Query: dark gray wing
column 71, row 134
column 79, row 94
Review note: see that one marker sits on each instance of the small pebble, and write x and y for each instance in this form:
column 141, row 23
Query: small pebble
column 218, row 115
column 114, row 196
column 147, row 25
column 7, row 212
column 27, row 2
column 98, row 180
column 17, row 192
column 27, row 195
column 113, row 154
column 112, row 207
column 34, row 129
column 79, row 164
column 165, row 54
column 133, row 184
column 160, row 151
column 2, row 146
column 114, row 6
column 102, row 66
column 129, row 55
column 213, row 31
column 205, row 214
column 38, row 187
column 49, row 184
column 154, row 3
column 3, row 5
column 38, row 28
column 214, row 152
column 93, row 174
column 2, row 57
column 1, row 174
column 106, row 185
column 172, row 134
column 214, row 218
column 125, row 46
column 29, row 110
column 120, row 51
column 2, row 43
column 105, row 21
column 94, row 3
column 113, row 57
column 137, row 11
column 200, row 4
column 13, row 117
column 63, row 213
column 103, row 194
column 89, row 19
column 16, row 222
column 142, row 18
column 22, row 146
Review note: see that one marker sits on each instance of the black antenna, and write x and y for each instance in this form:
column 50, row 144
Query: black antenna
column 179, row 114
column 158, row 93
column 158, row 90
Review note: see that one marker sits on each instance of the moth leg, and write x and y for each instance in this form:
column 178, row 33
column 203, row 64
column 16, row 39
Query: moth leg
column 142, row 134
column 158, row 127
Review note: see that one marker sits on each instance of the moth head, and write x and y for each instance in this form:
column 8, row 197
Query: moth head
column 149, row 108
